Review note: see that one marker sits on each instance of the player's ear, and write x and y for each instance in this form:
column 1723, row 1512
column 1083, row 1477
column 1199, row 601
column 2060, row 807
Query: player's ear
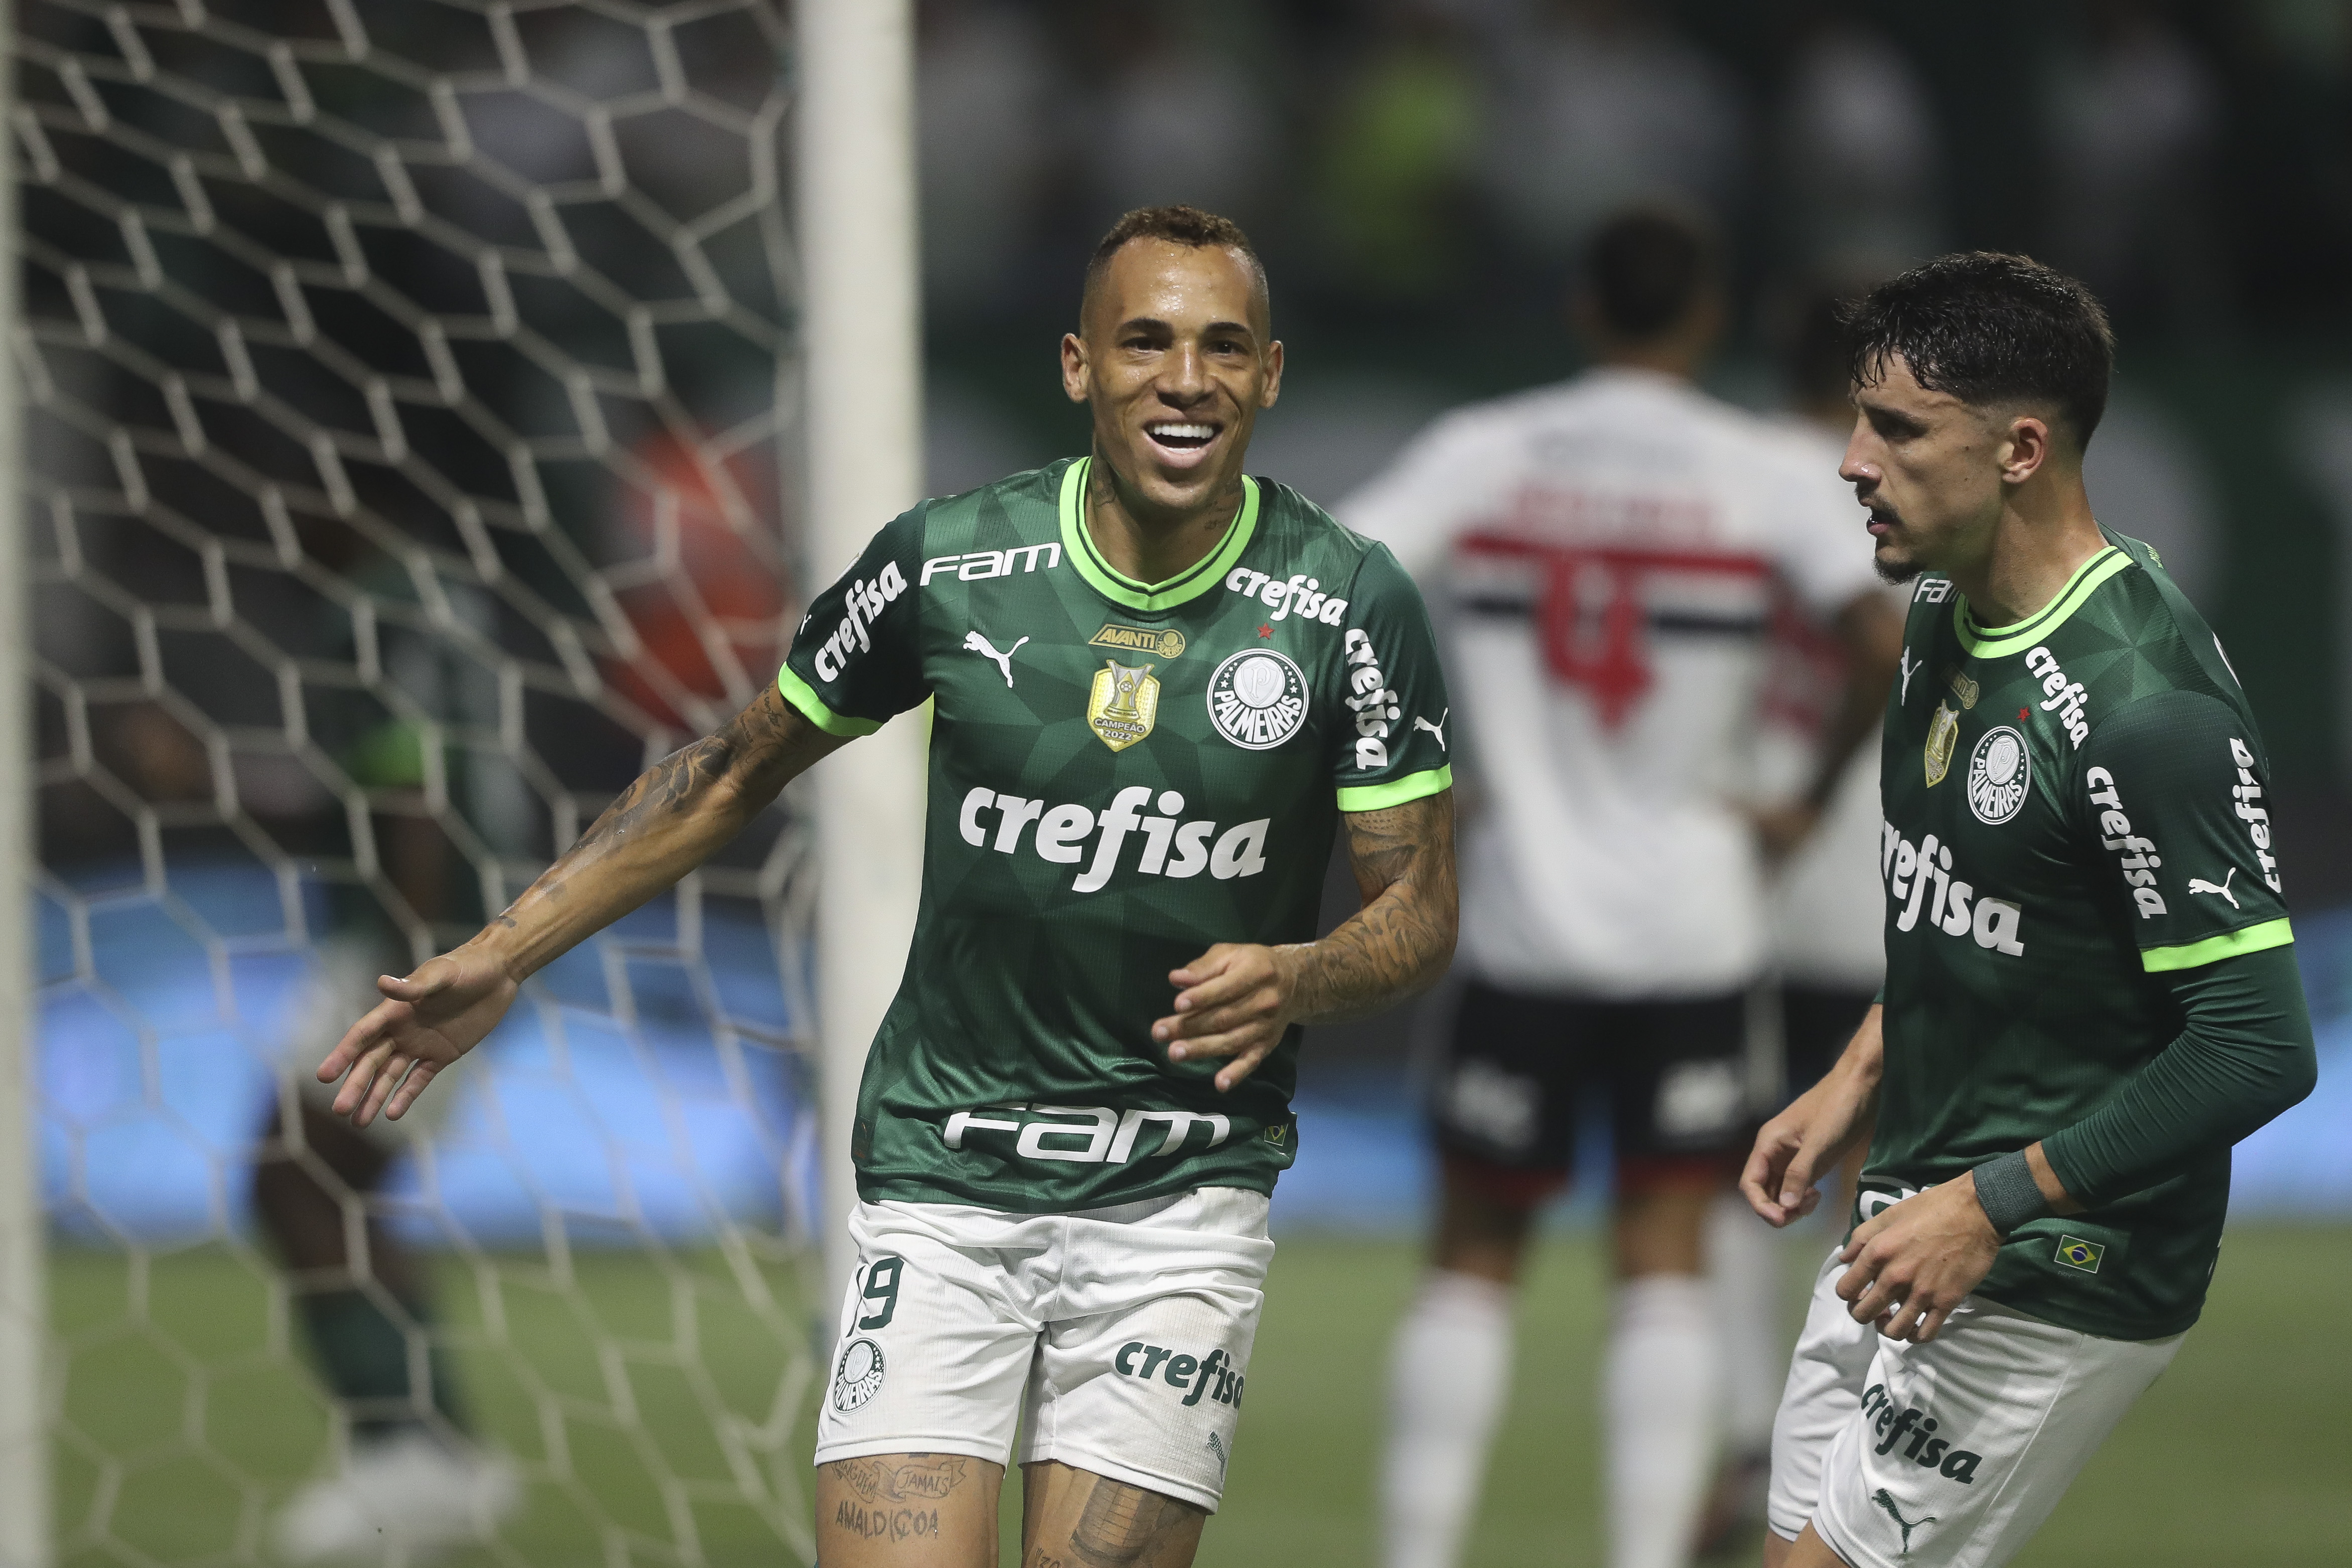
column 1273, row 388
column 2025, row 449
column 1077, row 376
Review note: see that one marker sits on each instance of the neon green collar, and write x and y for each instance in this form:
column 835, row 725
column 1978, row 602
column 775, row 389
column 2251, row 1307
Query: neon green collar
column 1994, row 641
column 1120, row 589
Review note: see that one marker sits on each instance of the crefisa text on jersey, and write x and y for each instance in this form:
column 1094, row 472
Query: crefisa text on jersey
column 865, row 602
column 2061, row 695
column 1062, row 833
column 1375, row 707
column 2257, row 820
column 1911, row 871
column 1301, row 596
column 2139, row 857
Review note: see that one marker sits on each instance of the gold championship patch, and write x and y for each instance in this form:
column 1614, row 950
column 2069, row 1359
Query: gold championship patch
column 1123, row 704
column 1943, row 733
column 1166, row 641
column 1964, row 688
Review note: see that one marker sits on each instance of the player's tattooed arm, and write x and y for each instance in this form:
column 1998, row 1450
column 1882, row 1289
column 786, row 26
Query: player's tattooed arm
column 1235, row 999
column 672, row 818
column 1402, row 939
column 678, row 813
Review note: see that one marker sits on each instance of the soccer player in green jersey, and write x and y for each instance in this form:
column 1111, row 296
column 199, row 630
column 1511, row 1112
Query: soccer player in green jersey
column 1159, row 687
column 2090, row 990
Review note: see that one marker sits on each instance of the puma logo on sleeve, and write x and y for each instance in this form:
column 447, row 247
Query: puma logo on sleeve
column 2198, row 884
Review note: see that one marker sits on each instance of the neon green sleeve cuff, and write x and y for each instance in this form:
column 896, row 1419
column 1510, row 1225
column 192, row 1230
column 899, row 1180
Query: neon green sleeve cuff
column 798, row 692
column 1396, row 791
column 2213, row 949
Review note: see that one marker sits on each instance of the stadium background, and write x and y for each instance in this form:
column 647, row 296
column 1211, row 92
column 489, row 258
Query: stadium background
column 1416, row 172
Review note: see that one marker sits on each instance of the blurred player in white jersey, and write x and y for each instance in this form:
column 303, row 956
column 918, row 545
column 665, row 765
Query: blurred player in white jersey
column 1823, row 936
column 1603, row 555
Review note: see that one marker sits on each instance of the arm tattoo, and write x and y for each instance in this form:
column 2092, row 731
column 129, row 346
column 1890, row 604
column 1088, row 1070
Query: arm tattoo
column 673, row 817
column 1403, row 938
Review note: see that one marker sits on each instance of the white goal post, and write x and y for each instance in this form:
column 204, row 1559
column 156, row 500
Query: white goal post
column 25, row 1535
column 414, row 417
column 862, row 422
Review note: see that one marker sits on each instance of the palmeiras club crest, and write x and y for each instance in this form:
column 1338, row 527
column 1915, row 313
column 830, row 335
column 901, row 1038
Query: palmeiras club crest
column 1257, row 699
column 1123, row 704
column 2000, row 772
column 859, row 1377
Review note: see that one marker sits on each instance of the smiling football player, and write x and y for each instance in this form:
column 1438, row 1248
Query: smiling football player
column 1160, row 685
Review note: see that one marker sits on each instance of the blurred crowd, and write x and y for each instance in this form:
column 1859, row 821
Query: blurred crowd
column 1442, row 156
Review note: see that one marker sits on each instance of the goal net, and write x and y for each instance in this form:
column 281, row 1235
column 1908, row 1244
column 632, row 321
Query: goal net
column 404, row 385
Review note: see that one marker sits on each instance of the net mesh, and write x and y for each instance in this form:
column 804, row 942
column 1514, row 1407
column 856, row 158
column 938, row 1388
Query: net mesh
column 405, row 384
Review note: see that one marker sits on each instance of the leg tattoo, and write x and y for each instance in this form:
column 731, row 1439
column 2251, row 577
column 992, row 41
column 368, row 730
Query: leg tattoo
column 1120, row 1524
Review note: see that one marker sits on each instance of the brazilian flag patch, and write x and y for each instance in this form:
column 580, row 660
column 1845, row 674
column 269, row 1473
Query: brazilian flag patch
column 2077, row 1253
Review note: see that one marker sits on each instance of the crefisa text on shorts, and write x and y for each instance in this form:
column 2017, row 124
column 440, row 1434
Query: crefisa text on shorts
column 1925, row 1449
column 1214, row 1377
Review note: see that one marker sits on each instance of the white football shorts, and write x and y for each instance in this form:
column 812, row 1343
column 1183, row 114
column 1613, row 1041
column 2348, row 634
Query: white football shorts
column 1949, row 1453
column 1118, row 1339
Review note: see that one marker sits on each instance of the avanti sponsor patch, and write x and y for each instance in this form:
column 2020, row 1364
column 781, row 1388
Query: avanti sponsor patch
column 1164, row 640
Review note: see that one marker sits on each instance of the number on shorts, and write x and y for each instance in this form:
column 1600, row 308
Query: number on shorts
column 882, row 1285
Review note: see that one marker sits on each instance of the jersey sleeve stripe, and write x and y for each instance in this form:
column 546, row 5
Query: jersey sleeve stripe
column 1396, row 791
column 798, row 692
column 2229, row 944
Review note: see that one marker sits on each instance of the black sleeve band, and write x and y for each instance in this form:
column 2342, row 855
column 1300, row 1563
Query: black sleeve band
column 2008, row 1192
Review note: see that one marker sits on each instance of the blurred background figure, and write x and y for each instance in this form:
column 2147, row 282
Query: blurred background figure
column 2133, row 124
column 1396, row 158
column 987, row 148
column 1166, row 116
column 1606, row 552
column 1602, row 102
column 1857, row 146
column 411, row 1475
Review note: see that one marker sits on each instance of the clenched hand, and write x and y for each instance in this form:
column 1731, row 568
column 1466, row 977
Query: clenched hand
column 426, row 1022
column 1913, row 1262
column 1233, row 1000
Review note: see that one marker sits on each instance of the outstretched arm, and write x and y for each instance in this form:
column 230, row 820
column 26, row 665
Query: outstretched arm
column 1235, row 999
column 676, row 815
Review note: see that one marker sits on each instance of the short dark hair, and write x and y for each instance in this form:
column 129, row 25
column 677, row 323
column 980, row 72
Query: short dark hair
column 1989, row 328
column 1646, row 267
column 1176, row 224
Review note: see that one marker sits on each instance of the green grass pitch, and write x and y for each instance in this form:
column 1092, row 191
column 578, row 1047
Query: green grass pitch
column 2236, row 1456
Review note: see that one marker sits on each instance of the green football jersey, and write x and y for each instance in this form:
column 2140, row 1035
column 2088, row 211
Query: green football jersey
column 1121, row 775
column 2075, row 806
